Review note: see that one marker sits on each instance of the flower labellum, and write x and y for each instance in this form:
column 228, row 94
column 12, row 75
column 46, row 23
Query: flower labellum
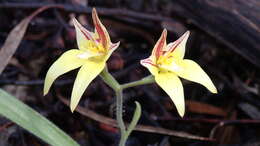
column 94, row 49
column 166, row 64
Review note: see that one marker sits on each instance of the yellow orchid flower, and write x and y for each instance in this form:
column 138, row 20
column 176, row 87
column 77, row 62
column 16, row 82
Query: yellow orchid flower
column 166, row 63
column 94, row 50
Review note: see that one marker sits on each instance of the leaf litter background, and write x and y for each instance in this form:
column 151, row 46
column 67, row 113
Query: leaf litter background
column 230, row 117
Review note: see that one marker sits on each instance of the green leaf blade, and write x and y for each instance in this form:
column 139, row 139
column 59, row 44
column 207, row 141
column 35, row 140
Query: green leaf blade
column 135, row 119
column 29, row 119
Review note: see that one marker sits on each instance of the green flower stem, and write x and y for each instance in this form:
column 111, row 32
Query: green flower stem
column 145, row 80
column 119, row 116
column 119, row 111
column 111, row 81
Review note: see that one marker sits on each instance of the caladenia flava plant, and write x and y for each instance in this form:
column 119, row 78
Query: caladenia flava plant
column 167, row 62
column 94, row 49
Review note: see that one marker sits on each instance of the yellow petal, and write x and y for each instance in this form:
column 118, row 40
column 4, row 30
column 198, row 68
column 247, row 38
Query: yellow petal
column 160, row 45
column 101, row 30
column 150, row 65
column 84, row 37
column 178, row 46
column 67, row 62
column 86, row 74
column 190, row 70
column 172, row 85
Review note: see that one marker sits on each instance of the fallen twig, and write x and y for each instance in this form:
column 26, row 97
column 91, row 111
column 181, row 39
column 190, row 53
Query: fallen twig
column 111, row 122
column 211, row 121
column 231, row 122
column 33, row 82
column 87, row 10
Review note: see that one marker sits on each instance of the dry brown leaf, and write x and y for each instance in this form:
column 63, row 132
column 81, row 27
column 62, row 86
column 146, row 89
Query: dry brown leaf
column 203, row 108
column 14, row 38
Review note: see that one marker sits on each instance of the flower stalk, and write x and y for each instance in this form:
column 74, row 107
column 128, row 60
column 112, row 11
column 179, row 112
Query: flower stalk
column 111, row 81
column 119, row 116
column 146, row 80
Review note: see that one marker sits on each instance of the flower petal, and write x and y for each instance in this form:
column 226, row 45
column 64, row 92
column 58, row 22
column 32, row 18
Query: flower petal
column 101, row 30
column 112, row 48
column 83, row 35
column 178, row 46
column 160, row 45
column 86, row 74
column 190, row 70
column 149, row 64
column 67, row 62
column 172, row 85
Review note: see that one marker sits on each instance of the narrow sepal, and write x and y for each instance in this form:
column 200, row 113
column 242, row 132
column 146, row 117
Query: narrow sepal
column 112, row 48
column 150, row 65
column 101, row 30
column 190, row 70
column 172, row 85
column 67, row 62
column 178, row 47
column 86, row 74
column 160, row 45
column 82, row 35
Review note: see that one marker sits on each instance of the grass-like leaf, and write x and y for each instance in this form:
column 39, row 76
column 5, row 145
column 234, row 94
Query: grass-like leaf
column 29, row 119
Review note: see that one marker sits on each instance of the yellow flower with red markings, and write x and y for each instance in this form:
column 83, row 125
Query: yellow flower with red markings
column 94, row 49
column 167, row 64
